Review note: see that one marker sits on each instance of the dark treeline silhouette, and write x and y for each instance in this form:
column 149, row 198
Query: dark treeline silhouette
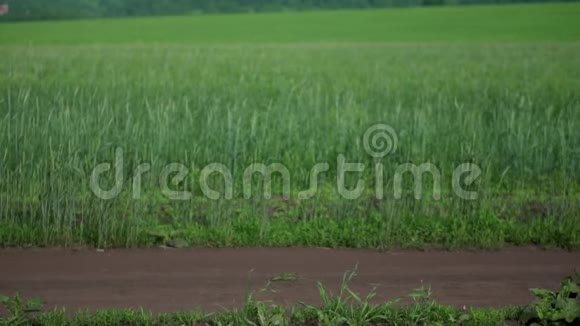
column 70, row 9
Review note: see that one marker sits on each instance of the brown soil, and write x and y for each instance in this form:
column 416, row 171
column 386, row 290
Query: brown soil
column 213, row 279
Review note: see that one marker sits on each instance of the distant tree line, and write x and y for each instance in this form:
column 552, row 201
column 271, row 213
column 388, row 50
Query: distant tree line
column 71, row 9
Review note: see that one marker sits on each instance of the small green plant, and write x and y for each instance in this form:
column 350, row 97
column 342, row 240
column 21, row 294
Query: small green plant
column 168, row 238
column 285, row 277
column 19, row 311
column 348, row 307
column 555, row 308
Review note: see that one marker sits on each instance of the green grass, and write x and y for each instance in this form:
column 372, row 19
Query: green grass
column 264, row 313
column 511, row 108
column 260, row 313
column 507, row 23
column 66, row 109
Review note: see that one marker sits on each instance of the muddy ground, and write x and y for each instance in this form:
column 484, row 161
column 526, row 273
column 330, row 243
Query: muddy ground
column 167, row 280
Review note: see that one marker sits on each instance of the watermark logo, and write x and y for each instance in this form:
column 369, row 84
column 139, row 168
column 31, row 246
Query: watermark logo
column 379, row 141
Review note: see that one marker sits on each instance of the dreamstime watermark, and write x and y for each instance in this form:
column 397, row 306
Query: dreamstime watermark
column 379, row 141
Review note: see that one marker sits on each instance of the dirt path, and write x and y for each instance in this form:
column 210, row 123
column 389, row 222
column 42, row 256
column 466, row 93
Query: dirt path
column 171, row 280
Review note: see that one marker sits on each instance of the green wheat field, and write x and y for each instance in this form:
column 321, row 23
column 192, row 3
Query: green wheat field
column 496, row 86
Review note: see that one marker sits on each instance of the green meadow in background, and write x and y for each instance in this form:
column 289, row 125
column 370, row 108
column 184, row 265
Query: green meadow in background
column 489, row 24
